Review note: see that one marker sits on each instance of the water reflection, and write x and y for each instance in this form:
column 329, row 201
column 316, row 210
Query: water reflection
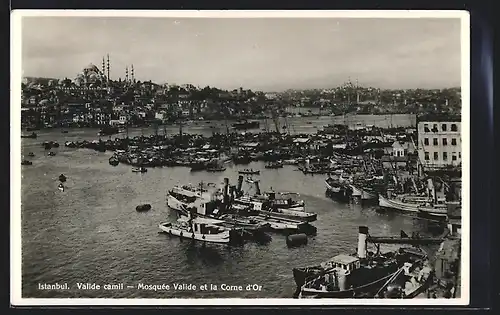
column 207, row 254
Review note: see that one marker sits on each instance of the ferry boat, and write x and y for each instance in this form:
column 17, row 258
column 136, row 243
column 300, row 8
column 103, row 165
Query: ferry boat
column 200, row 229
column 352, row 276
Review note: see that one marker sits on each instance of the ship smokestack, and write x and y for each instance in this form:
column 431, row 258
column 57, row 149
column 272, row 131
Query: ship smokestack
column 363, row 233
column 226, row 192
column 257, row 187
column 240, row 183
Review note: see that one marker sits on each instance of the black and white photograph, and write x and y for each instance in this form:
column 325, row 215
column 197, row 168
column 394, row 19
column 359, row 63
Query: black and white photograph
column 240, row 157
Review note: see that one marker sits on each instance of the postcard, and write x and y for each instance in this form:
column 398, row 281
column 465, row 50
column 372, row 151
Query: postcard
column 240, row 158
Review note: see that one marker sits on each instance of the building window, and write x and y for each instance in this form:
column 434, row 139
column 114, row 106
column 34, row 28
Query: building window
column 435, row 141
column 445, row 141
column 426, row 141
column 427, row 158
column 426, row 127
column 459, row 155
column 454, row 156
column 453, row 141
column 435, row 128
column 436, row 156
column 454, row 127
column 443, row 127
column 445, row 156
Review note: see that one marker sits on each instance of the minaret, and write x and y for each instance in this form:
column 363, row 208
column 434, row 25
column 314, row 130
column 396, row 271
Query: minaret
column 108, row 69
column 126, row 74
column 357, row 92
column 103, row 67
column 132, row 73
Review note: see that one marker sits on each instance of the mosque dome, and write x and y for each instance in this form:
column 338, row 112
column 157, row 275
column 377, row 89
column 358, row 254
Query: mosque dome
column 90, row 75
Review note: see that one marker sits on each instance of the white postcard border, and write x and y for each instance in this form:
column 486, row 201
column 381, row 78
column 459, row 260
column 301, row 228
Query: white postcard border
column 15, row 154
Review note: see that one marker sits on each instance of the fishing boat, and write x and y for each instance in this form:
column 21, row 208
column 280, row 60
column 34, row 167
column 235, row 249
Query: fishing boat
column 249, row 172
column 351, row 276
column 274, row 165
column 281, row 224
column 200, row 229
column 62, row 178
column 60, row 187
column 248, row 223
column 139, row 170
column 26, row 162
column 270, row 209
column 30, row 136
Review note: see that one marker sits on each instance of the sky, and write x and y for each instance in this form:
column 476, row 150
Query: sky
column 268, row 54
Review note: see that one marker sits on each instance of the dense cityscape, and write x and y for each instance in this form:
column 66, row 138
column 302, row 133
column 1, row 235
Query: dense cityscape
column 92, row 99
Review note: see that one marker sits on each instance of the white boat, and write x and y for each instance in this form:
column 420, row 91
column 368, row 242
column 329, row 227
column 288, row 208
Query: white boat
column 139, row 170
column 200, row 229
column 362, row 193
column 280, row 224
column 408, row 203
column 60, row 187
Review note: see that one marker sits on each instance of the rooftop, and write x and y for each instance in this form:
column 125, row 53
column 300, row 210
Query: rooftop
column 344, row 259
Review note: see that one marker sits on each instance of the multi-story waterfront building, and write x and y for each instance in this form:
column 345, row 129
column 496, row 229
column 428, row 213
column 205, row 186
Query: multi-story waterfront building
column 439, row 141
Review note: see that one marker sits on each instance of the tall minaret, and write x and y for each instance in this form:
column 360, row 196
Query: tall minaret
column 126, row 74
column 103, row 67
column 132, row 74
column 108, row 69
column 357, row 92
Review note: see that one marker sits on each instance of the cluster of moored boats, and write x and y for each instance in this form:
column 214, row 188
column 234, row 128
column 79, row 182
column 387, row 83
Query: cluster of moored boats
column 217, row 211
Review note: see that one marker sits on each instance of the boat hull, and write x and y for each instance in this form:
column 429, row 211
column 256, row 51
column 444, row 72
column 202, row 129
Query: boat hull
column 220, row 238
column 367, row 290
column 293, row 215
column 397, row 205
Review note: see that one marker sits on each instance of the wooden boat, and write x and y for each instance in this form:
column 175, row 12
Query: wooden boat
column 139, row 170
column 333, row 185
column 413, row 204
column 30, row 136
column 247, row 223
column 281, row 224
column 62, row 178
column 26, row 162
column 51, row 153
column 200, row 229
column 249, row 172
column 143, row 207
column 31, row 154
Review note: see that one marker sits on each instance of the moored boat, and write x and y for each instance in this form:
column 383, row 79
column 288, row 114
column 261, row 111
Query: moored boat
column 114, row 161
column 143, row 207
column 362, row 192
column 31, row 154
column 139, row 170
column 200, row 229
column 274, row 165
column 62, row 178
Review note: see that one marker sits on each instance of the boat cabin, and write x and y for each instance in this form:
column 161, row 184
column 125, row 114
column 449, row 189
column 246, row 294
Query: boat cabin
column 344, row 262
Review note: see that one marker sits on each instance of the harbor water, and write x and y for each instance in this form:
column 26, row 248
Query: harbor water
column 91, row 232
